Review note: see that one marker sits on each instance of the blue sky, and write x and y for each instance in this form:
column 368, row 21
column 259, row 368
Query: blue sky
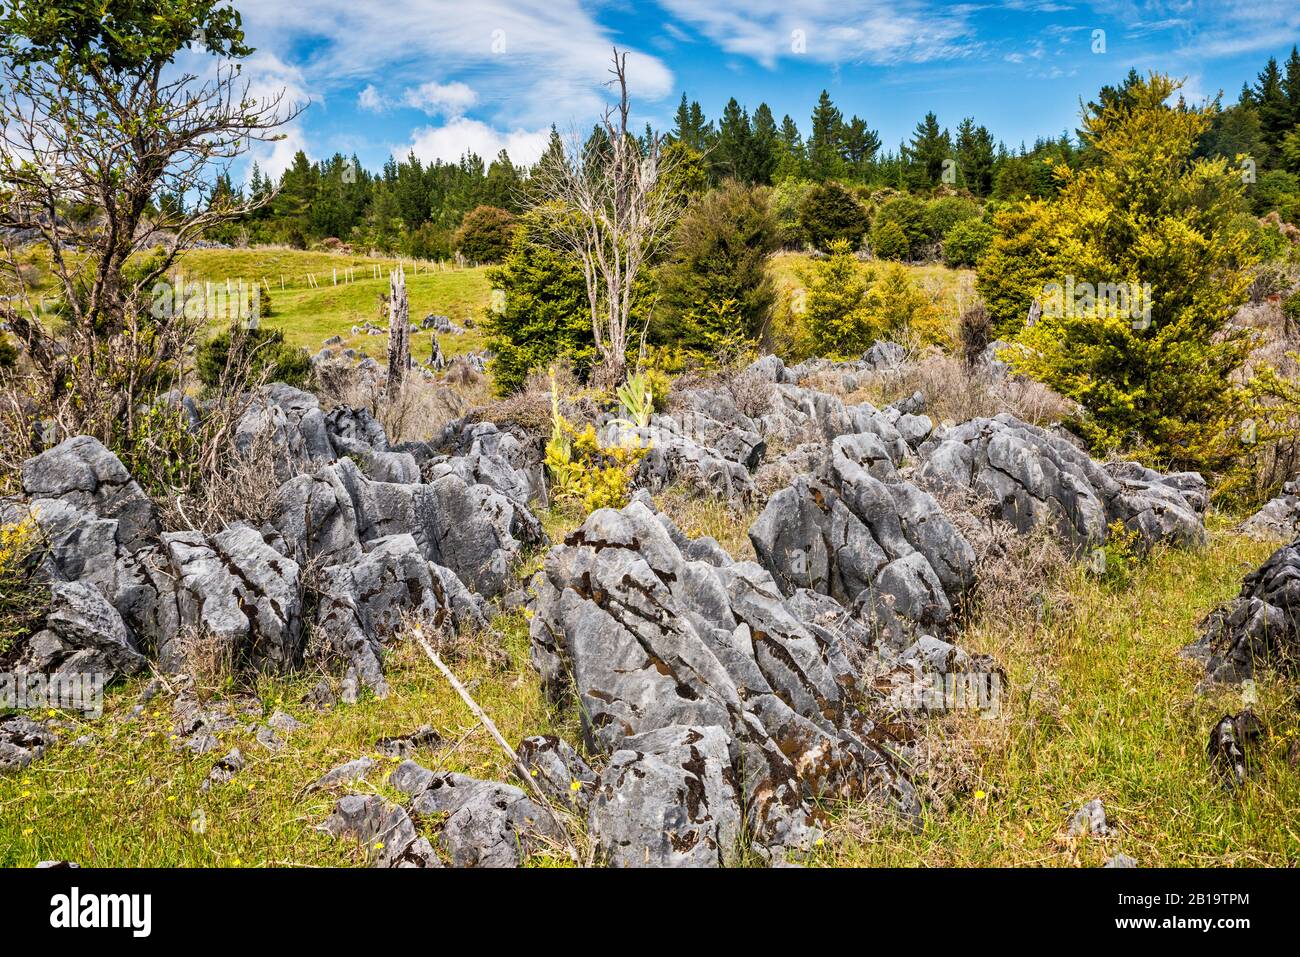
column 442, row 76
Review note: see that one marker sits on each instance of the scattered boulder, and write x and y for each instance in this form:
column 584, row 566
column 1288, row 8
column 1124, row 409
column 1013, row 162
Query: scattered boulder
column 1279, row 519
column 441, row 324
column 22, row 741
column 383, row 828
column 1260, row 626
column 1120, row 861
column 487, row 824
column 405, row 745
column 1229, row 741
column 224, row 770
column 347, row 773
column 1090, row 820
column 1032, row 477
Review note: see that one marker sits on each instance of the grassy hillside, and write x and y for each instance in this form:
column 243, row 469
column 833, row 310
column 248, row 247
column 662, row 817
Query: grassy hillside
column 310, row 314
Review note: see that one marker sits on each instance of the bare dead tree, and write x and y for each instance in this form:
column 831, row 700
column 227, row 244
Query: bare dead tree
column 87, row 154
column 399, row 331
column 611, row 207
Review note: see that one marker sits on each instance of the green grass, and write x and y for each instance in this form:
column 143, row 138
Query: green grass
column 132, row 800
column 310, row 315
column 1103, row 706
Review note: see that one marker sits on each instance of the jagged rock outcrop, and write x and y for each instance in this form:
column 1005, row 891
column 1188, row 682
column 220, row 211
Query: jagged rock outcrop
column 487, row 824
column 1261, row 626
column 879, row 545
column 83, row 634
column 292, row 422
column 802, row 415
column 652, row 640
column 1032, row 477
column 1279, row 519
column 231, row 589
column 358, row 550
column 363, row 602
column 84, row 475
column 472, row 529
column 480, row 453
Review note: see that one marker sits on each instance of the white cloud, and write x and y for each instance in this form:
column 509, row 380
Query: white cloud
column 370, row 100
column 450, row 141
column 441, row 99
column 832, row 31
column 275, row 158
column 528, row 61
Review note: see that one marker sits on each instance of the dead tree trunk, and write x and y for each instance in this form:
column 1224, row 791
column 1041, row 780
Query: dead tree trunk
column 399, row 331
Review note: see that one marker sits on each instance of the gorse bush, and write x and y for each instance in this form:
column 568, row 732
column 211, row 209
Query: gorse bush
column 1017, row 265
column 896, row 308
column 23, row 599
column 1142, row 213
column 835, row 316
column 965, row 244
column 585, row 472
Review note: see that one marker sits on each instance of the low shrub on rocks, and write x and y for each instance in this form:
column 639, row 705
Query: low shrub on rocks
column 22, row 598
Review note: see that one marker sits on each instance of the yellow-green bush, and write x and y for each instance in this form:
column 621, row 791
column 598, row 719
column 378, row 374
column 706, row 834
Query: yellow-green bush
column 584, row 471
column 22, row 599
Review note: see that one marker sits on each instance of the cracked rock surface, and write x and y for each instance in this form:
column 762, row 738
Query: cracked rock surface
column 1032, row 477
column 651, row 639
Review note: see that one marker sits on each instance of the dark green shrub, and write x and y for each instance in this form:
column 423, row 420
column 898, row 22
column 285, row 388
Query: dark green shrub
column 484, row 234
column 908, row 213
column 264, row 351
column 720, row 255
column 539, row 311
column 888, row 241
column 966, row 242
column 829, row 212
column 945, row 212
